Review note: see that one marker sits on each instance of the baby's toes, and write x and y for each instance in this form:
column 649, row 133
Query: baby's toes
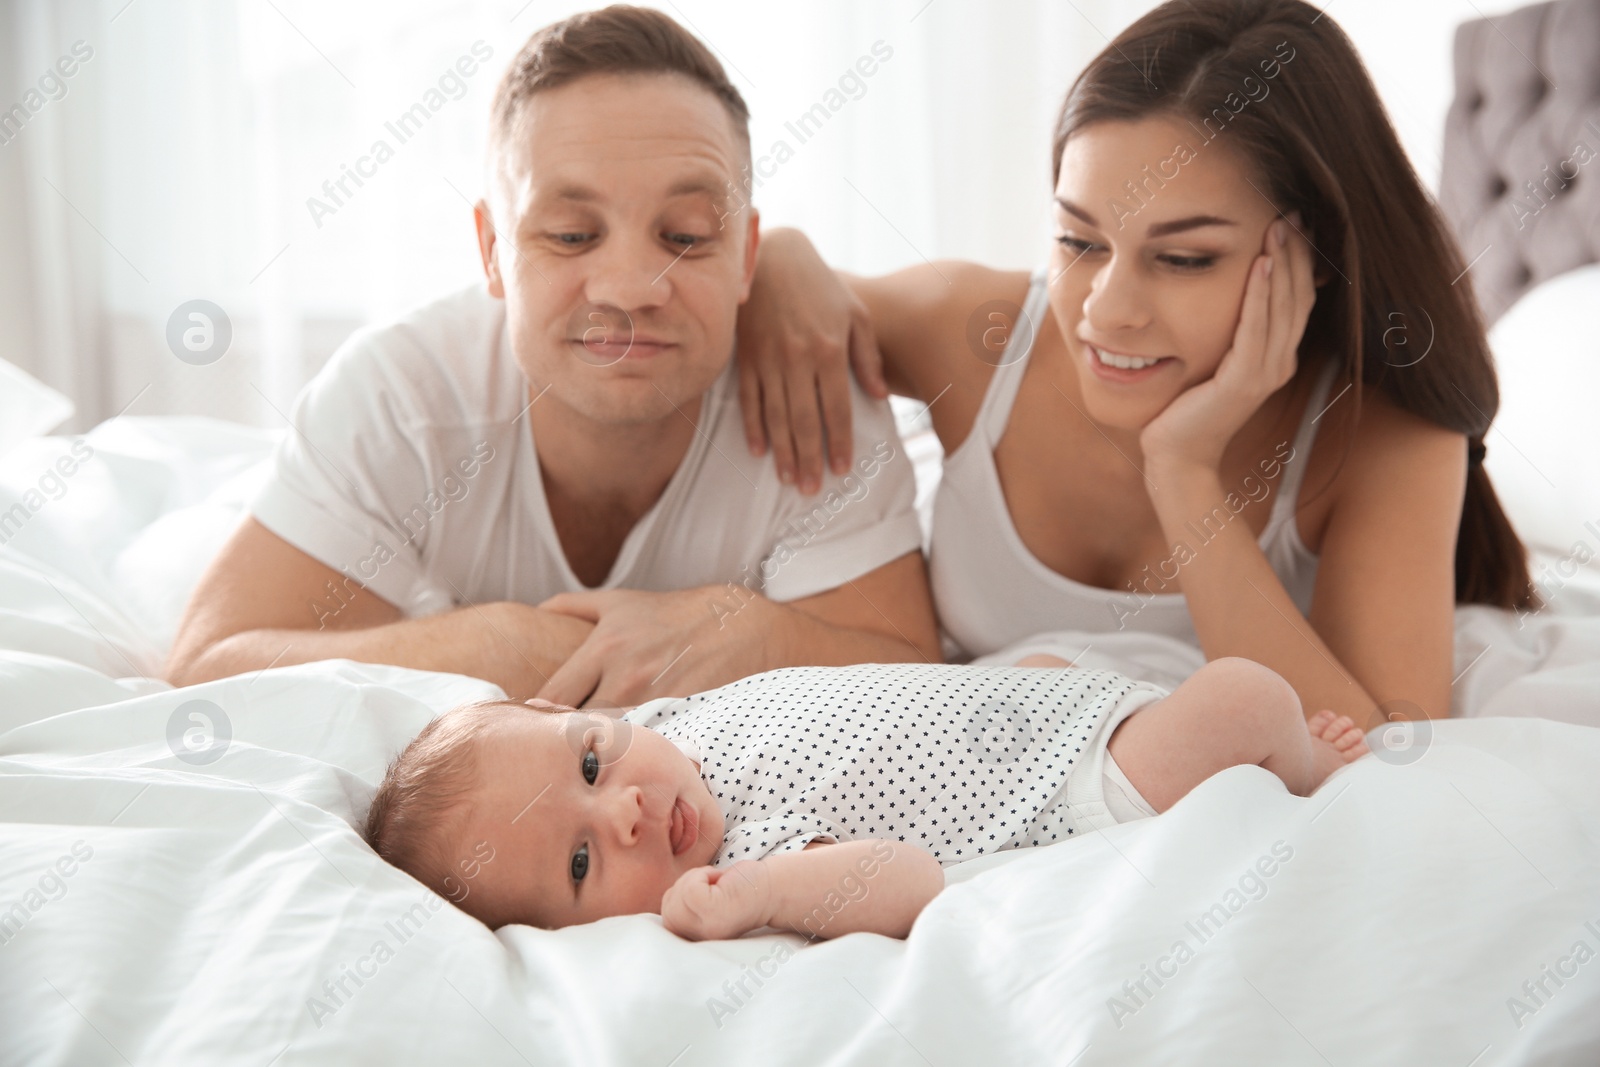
column 1330, row 725
column 1351, row 742
column 1340, row 730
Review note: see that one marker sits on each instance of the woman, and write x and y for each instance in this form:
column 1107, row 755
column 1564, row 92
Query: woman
column 1217, row 414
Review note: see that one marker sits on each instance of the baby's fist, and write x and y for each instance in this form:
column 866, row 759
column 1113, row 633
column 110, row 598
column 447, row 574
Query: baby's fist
column 711, row 904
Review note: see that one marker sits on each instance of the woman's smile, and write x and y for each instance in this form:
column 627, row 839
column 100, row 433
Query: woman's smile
column 1123, row 367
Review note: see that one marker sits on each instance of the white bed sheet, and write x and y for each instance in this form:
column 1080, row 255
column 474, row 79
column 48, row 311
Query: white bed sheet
column 220, row 898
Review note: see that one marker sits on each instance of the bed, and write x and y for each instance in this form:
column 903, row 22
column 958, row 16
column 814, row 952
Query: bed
column 181, row 880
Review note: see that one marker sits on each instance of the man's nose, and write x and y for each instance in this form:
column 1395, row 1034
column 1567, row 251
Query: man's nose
column 630, row 272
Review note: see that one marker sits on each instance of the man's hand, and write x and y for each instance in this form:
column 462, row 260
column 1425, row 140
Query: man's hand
column 647, row 645
column 712, row 904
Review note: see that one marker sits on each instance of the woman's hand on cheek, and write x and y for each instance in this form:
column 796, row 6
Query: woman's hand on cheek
column 1195, row 429
column 712, row 904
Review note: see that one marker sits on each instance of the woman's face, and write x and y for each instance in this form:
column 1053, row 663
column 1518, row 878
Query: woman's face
column 1156, row 232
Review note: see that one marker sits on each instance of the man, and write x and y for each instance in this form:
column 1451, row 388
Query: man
column 540, row 481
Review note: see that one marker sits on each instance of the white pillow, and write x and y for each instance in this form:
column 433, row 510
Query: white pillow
column 1544, row 445
column 28, row 407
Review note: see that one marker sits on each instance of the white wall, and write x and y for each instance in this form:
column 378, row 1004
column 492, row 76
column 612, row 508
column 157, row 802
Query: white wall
column 991, row 152
column 180, row 163
column 1407, row 45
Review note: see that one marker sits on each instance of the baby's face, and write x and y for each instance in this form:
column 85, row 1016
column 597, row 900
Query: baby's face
column 587, row 817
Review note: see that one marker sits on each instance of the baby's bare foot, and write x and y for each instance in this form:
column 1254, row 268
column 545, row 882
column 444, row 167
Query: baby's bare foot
column 1341, row 732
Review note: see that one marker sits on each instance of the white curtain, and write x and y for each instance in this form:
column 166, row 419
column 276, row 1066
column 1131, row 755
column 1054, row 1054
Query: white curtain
column 51, row 278
column 178, row 161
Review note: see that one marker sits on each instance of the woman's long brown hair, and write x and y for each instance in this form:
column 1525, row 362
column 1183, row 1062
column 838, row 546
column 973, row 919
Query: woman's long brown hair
column 1279, row 82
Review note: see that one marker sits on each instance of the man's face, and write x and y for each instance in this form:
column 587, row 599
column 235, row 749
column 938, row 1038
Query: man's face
column 622, row 243
column 588, row 817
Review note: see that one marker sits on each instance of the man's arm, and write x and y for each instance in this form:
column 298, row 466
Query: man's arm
column 263, row 603
column 825, row 891
column 884, row 616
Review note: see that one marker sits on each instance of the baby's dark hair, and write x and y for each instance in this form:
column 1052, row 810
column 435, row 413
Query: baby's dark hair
column 424, row 793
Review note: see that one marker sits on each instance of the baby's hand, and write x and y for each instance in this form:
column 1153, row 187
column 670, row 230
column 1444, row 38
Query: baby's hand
column 713, row 904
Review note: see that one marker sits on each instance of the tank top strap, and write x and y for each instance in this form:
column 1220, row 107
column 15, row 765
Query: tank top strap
column 1288, row 498
column 1008, row 372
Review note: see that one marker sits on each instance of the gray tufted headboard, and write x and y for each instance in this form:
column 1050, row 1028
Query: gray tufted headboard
column 1521, row 182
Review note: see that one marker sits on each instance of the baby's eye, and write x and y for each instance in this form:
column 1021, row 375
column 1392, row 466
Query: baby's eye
column 580, row 863
column 591, row 766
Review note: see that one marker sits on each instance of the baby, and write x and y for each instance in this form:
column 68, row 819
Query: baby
column 819, row 800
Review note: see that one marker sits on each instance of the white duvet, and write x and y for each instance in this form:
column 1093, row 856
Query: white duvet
column 1441, row 906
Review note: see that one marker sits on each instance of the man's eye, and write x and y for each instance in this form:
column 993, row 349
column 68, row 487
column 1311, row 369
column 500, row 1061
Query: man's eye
column 591, row 766
column 687, row 240
column 571, row 238
column 580, row 863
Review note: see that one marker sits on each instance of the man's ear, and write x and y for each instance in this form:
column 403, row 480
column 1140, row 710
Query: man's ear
column 486, row 241
column 752, row 244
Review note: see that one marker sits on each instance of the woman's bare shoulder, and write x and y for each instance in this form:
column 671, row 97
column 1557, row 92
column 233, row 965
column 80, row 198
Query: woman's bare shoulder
column 1388, row 452
column 1389, row 433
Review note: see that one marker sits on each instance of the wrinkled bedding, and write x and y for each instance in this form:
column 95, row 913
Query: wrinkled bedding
column 164, row 900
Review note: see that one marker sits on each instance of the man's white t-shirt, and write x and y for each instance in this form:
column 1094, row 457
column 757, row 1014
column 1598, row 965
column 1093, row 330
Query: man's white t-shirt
column 411, row 469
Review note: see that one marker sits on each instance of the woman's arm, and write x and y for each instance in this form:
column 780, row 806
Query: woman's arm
column 799, row 334
column 1381, row 625
column 805, row 326
column 1385, row 593
column 1382, row 620
column 827, row 890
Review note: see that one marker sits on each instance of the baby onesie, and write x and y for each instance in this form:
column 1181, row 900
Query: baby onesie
column 962, row 761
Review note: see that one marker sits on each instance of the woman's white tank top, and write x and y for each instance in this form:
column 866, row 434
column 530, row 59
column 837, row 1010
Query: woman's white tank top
column 991, row 591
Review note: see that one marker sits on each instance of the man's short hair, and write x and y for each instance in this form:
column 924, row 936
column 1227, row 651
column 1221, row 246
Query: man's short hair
column 621, row 39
